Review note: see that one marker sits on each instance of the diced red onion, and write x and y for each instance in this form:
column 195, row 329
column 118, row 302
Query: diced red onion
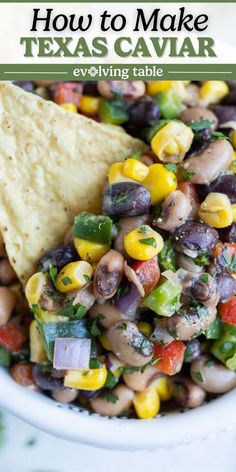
column 133, row 278
column 84, row 296
column 129, row 301
column 71, row 353
column 161, row 335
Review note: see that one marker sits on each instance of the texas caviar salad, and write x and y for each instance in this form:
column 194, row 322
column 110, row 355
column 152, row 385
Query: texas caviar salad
column 137, row 307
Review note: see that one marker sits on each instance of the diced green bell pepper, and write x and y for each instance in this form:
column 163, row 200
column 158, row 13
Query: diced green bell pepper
column 164, row 300
column 112, row 112
column 224, row 348
column 5, row 357
column 169, row 103
column 214, row 330
column 51, row 331
column 93, row 228
column 167, row 257
column 149, row 133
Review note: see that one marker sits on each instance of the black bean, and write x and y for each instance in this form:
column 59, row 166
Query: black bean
column 226, row 286
column 195, row 236
column 45, row 381
column 225, row 113
column 230, row 99
column 126, row 199
column 25, row 85
column 142, row 113
column 228, row 235
column 225, row 183
column 58, row 257
column 90, row 88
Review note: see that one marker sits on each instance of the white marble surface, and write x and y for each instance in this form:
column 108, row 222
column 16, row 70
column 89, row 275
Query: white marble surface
column 26, row 449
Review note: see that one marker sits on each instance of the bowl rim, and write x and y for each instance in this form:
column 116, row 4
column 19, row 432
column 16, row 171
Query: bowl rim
column 116, row 433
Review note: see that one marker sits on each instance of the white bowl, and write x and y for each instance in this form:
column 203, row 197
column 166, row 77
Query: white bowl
column 78, row 425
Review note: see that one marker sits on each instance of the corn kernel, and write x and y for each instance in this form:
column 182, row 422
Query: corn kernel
column 171, row 142
column 37, row 349
column 69, row 107
column 51, row 316
column 160, row 182
column 212, row 91
column 145, row 328
column 90, row 379
column 233, row 139
column 73, row 275
column 35, row 287
column 115, row 174
column 104, row 342
column 147, row 403
column 234, row 211
column 216, row 210
column 233, row 163
column 164, row 85
column 89, row 105
column 89, row 250
column 143, row 245
column 135, row 170
column 163, row 387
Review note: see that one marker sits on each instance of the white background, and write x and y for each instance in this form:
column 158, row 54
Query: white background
column 49, row 454
column 16, row 21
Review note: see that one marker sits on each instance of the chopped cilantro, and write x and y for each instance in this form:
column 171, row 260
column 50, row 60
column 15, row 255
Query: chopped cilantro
column 199, row 125
column 46, row 368
column 149, row 242
column 209, row 362
column 143, row 229
column 167, row 257
column 137, row 155
column 154, row 360
column 198, row 376
column 202, row 259
column 122, row 326
column 204, row 278
column 77, row 311
column 111, row 380
column 54, row 294
column 34, row 308
column 171, row 167
column 122, row 290
column 93, row 325
column 66, row 280
column 185, row 174
column 52, row 273
column 87, row 278
column 109, row 396
column 218, row 135
column 95, row 363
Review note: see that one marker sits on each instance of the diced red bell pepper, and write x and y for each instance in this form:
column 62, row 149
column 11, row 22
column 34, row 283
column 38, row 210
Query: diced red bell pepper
column 228, row 311
column 148, row 273
column 11, row 337
column 68, row 92
column 190, row 191
column 170, row 357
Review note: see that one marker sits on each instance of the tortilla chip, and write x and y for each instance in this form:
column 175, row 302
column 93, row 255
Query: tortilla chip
column 53, row 164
